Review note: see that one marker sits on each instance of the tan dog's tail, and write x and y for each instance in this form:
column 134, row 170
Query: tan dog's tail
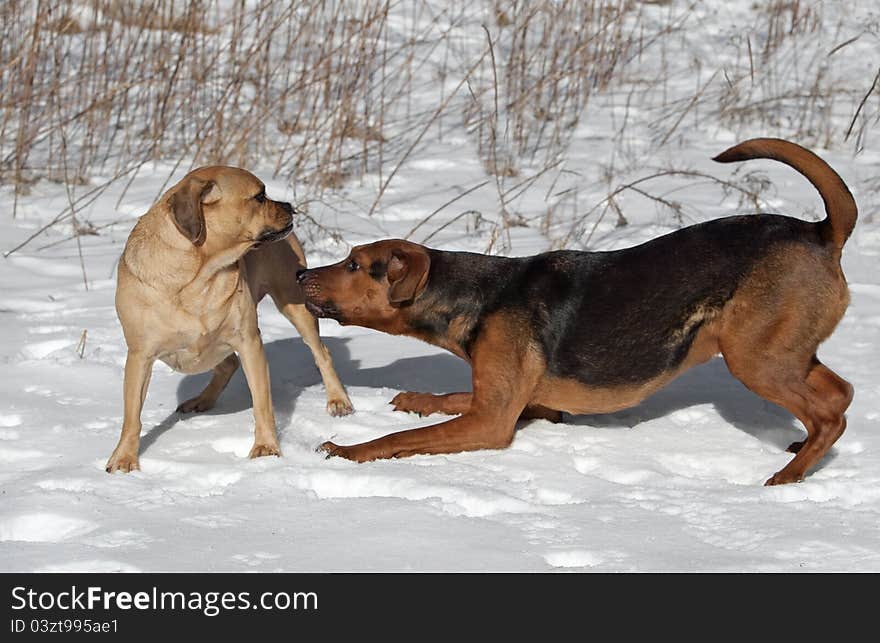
column 840, row 206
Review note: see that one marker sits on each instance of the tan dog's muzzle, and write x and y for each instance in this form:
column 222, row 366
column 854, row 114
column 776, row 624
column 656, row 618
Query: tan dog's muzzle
column 284, row 217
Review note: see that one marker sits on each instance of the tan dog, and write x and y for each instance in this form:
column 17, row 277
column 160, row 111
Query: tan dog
column 189, row 279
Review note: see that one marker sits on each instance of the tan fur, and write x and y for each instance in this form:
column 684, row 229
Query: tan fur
column 188, row 282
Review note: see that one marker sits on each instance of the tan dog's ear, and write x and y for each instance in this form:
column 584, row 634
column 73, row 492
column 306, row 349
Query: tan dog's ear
column 186, row 207
column 407, row 274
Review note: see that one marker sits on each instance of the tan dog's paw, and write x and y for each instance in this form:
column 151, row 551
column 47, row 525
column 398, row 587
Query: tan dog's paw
column 197, row 404
column 121, row 461
column 260, row 450
column 421, row 403
column 339, row 406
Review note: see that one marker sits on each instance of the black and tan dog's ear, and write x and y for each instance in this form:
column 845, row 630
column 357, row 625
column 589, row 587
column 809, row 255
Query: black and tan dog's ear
column 186, row 207
column 407, row 274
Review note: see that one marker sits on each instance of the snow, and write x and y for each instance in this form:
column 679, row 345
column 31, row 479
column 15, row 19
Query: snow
column 674, row 484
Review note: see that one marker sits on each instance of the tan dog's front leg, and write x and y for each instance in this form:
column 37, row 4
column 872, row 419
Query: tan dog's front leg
column 138, row 368
column 256, row 370
column 306, row 325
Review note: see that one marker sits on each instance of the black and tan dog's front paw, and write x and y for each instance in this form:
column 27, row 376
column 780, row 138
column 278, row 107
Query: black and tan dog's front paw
column 421, row 403
column 328, row 449
column 331, row 450
column 355, row 452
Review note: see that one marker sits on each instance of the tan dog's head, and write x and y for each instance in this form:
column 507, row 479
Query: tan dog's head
column 227, row 207
column 371, row 286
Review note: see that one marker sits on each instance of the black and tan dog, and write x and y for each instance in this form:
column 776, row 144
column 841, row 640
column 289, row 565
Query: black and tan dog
column 595, row 332
column 193, row 269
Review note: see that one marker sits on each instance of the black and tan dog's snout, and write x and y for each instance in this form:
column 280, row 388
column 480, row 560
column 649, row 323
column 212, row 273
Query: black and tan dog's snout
column 315, row 300
column 308, row 281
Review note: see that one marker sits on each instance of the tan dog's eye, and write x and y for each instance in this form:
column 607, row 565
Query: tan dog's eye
column 261, row 197
column 352, row 265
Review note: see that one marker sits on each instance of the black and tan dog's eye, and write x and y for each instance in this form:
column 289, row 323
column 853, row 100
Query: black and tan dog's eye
column 352, row 265
column 261, row 197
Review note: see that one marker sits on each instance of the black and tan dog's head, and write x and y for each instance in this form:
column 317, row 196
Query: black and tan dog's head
column 371, row 286
column 225, row 207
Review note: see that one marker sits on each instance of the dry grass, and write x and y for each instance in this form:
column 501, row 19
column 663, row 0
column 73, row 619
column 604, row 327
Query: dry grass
column 325, row 93
column 125, row 83
column 549, row 58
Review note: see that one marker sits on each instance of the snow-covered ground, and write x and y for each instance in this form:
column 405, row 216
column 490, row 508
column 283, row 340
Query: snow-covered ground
column 674, row 484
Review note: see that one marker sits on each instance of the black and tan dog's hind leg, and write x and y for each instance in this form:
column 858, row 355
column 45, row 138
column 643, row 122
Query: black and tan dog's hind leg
column 504, row 379
column 773, row 352
column 772, row 328
column 813, row 393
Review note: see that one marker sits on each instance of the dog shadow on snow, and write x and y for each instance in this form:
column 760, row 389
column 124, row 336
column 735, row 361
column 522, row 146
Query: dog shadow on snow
column 292, row 369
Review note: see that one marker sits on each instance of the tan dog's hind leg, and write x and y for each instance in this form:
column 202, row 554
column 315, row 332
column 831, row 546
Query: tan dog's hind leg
column 206, row 400
column 306, row 325
column 256, row 370
column 138, row 368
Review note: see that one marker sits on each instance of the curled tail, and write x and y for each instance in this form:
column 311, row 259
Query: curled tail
column 840, row 207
